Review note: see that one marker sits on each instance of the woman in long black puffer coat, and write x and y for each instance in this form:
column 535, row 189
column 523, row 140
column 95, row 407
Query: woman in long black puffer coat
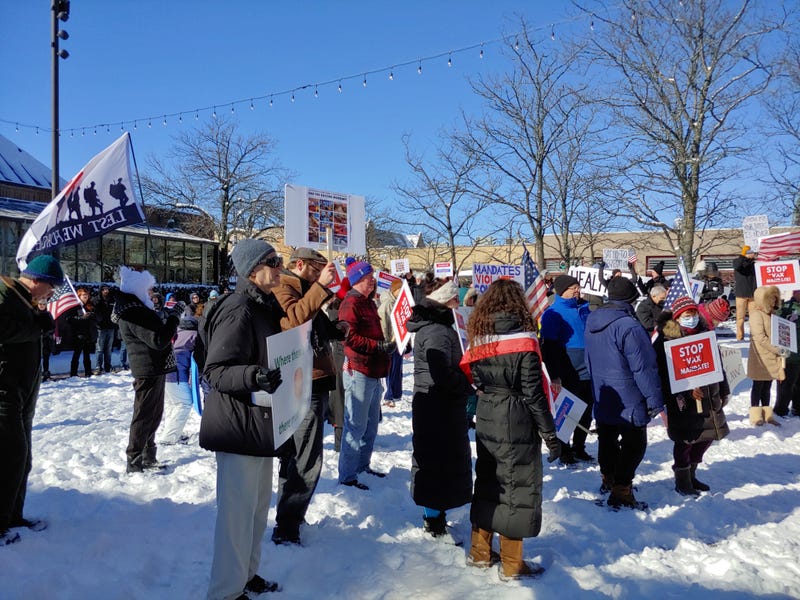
column 441, row 469
column 513, row 417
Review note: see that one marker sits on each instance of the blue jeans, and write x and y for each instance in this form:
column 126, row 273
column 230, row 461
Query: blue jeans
column 362, row 411
column 105, row 342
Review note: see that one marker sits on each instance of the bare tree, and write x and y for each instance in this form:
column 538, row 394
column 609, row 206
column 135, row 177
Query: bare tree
column 784, row 107
column 438, row 201
column 528, row 112
column 680, row 74
column 233, row 180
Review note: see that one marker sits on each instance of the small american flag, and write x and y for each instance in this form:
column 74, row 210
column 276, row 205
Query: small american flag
column 535, row 287
column 63, row 299
column 677, row 289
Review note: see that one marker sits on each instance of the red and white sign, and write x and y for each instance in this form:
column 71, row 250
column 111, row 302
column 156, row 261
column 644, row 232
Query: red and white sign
column 693, row 361
column 383, row 280
column 461, row 316
column 401, row 312
column 442, row 270
column 785, row 274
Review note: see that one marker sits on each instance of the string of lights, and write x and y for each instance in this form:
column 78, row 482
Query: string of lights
column 271, row 97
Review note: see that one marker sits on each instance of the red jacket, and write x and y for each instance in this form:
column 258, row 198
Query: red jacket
column 361, row 344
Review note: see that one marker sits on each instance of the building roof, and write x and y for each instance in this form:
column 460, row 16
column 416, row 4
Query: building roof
column 20, row 168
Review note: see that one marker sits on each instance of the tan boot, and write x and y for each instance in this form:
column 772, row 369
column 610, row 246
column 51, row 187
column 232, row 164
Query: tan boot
column 621, row 496
column 512, row 566
column 480, row 551
column 769, row 416
column 756, row 415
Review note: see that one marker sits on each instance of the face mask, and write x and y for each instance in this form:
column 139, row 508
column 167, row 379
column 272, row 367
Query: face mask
column 689, row 322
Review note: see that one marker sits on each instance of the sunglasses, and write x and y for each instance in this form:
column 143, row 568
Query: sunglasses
column 273, row 261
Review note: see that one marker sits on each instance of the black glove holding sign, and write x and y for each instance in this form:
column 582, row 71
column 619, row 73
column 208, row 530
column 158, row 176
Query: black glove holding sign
column 269, row 381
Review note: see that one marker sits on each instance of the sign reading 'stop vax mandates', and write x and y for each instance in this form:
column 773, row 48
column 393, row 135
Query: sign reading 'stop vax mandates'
column 784, row 274
column 693, row 361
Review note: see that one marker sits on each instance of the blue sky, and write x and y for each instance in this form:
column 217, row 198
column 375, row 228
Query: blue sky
column 132, row 60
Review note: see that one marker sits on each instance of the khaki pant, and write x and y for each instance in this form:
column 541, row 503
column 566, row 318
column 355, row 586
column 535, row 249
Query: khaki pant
column 743, row 306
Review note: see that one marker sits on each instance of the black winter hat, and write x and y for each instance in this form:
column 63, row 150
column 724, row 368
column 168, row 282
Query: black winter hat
column 659, row 267
column 562, row 282
column 623, row 289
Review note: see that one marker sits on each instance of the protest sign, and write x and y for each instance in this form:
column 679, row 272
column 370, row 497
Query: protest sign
column 617, row 258
column 590, row 280
column 383, row 280
column 309, row 214
column 484, row 274
column 567, row 412
column 785, row 274
column 753, row 228
column 291, row 352
column 733, row 365
column 693, row 361
column 442, row 270
column 783, row 333
column 399, row 266
column 401, row 311
column 461, row 316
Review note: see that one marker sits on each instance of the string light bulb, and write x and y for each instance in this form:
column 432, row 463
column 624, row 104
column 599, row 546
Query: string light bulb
column 165, row 121
column 135, row 126
column 196, row 116
column 516, row 44
column 480, row 55
column 149, row 124
column 292, row 97
column 419, row 68
column 316, row 92
column 449, row 61
column 214, row 113
column 270, row 101
column 552, row 33
column 252, row 107
column 340, row 87
column 391, row 75
column 180, row 118
column 233, row 110
column 364, row 83
column 17, row 128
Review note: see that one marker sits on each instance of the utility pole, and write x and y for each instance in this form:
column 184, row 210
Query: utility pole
column 60, row 10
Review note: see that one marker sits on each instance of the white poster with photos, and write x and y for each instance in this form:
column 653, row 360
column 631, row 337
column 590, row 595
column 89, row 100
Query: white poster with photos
column 310, row 214
column 783, row 333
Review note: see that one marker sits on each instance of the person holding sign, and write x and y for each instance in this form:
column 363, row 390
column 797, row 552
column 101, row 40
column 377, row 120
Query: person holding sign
column 626, row 387
column 239, row 432
column 394, row 380
column 366, row 363
column 765, row 361
column 564, row 352
column 441, row 464
column 744, row 280
column 302, row 292
column 696, row 418
column 513, row 418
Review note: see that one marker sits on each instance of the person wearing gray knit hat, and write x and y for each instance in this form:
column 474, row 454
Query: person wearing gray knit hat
column 248, row 254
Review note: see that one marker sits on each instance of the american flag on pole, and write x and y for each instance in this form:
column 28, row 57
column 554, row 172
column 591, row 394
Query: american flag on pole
column 535, row 287
column 678, row 287
column 63, row 299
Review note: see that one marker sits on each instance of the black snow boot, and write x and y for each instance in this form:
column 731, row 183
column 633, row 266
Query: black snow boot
column 683, row 482
column 436, row 526
column 696, row 483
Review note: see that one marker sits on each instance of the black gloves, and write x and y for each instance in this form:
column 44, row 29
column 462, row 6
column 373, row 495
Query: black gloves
column 269, row 381
column 178, row 309
column 387, row 347
column 553, row 447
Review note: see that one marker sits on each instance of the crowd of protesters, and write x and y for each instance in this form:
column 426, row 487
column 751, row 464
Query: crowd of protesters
column 609, row 351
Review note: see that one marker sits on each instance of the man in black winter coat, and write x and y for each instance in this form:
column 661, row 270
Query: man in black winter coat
column 651, row 307
column 232, row 426
column 149, row 341
column 106, row 329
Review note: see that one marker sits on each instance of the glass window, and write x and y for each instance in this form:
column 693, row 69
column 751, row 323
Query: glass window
column 175, row 262
column 194, row 265
column 208, row 264
column 134, row 250
column 68, row 256
column 112, row 255
column 156, row 257
column 88, row 261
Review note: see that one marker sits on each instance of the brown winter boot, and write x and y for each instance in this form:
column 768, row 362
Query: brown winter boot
column 696, row 483
column 480, row 551
column 756, row 415
column 683, row 481
column 512, row 566
column 769, row 416
column 622, row 496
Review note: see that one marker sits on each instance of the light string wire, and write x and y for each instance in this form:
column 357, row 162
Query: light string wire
column 511, row 39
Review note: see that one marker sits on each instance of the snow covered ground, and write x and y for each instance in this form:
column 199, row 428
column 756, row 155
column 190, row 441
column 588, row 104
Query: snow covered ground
column 149, row 536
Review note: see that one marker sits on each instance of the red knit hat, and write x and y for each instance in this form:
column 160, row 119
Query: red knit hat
column 681, row 305
column 719, row 309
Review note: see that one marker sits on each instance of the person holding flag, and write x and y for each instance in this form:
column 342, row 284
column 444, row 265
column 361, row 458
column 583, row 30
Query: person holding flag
column 513, row 417
column 21, row 329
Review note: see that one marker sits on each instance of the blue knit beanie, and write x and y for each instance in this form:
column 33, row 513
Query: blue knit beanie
column 45, row 268
column 356, row 269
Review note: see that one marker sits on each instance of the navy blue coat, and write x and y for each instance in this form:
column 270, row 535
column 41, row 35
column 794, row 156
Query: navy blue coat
column 623, row 366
